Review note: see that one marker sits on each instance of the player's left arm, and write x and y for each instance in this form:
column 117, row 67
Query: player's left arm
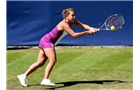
column 85, row 26
column 82, row 25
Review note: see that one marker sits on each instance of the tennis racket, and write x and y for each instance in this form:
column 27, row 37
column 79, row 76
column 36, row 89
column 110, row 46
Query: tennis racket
column 115, row 21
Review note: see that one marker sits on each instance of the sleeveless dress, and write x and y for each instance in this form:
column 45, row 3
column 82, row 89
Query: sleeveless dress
column 48, row 40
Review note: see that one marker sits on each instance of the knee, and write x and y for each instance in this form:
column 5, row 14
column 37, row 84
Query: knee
column 53, row 61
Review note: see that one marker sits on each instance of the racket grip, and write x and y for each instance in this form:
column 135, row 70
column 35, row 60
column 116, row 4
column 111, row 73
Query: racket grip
column 99, row 29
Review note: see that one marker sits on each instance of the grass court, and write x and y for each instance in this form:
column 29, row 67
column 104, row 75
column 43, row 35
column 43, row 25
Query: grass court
column 77, row 68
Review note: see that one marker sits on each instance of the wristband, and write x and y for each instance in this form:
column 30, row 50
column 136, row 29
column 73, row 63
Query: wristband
column 91, row 29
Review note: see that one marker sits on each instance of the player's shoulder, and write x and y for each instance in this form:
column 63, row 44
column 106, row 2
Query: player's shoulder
column 62, row 23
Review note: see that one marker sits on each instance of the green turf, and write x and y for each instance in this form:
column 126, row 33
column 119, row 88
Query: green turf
column 76, row 69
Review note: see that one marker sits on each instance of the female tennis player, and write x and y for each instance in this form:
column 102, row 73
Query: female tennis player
column 47, row 48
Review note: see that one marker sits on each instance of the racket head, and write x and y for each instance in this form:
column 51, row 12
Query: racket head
column 115, row 20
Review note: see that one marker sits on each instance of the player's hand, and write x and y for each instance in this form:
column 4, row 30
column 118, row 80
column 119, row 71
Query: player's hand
column 95, row 30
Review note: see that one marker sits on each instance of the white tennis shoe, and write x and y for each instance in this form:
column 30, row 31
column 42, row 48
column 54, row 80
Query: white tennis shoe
column 47, row 82
column 22, row 79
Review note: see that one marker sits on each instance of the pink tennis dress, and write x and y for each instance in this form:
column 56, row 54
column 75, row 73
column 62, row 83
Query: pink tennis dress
column 48, row 40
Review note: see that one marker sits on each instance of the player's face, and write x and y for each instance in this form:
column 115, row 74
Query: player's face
column 71, row 16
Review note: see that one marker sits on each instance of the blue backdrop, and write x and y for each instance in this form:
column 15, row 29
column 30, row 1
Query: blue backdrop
column 28, row 21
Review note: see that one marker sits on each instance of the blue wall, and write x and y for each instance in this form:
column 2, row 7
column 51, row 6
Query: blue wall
column 28, row 21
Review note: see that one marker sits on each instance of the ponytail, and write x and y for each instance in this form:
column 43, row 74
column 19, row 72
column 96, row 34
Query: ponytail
column 65, row 12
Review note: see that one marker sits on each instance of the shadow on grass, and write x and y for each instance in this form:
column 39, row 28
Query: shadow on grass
column 71, row 83
column 17, row 48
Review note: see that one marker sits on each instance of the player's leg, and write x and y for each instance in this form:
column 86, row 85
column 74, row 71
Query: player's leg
column 51, row 54
column 40, row 62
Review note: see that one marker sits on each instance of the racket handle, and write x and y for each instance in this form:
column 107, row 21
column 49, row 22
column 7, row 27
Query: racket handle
column 98, row 29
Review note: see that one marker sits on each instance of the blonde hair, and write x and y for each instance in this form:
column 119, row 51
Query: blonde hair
column 66, row 12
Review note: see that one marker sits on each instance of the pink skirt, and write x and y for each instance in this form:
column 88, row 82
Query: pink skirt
column 45, row 43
